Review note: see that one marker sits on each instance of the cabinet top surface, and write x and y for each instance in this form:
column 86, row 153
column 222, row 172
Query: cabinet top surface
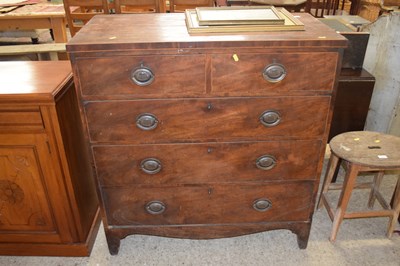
column 40, row 79
column 168, row 30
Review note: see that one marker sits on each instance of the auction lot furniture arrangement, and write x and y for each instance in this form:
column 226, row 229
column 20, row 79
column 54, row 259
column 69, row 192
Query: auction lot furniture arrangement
column 48, row 203
column 207, row 135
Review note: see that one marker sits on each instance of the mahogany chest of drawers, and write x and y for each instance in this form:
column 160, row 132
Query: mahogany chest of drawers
column 204, row 136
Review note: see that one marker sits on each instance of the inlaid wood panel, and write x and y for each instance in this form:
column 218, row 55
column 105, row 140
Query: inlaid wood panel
column 24, row 202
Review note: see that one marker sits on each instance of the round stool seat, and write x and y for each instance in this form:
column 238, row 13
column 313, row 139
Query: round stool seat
column 367, row 148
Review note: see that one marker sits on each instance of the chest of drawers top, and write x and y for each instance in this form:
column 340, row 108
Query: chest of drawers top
column 168, row 31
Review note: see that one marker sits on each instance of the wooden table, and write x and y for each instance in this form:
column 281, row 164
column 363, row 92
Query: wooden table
column 43, row 15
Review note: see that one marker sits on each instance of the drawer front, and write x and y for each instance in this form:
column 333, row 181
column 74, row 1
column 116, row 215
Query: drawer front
column 301, row 73
column 21, row 119
column 217, row 204
column 206, row 163
column 174, row 76
column 207, row 119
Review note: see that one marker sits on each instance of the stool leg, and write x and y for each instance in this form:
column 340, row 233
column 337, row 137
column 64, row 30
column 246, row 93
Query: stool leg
column 348, row 185
column 396, row 209
column 330, row 171
column 375, row 187
column 392, row 200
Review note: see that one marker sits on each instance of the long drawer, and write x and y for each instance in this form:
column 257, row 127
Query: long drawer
column 221, row 119
column 209, row 162
column 113, row 76
column 208, row 204
column 269, row 74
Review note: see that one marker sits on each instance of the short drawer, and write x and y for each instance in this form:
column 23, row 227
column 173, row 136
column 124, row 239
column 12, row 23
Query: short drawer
column 207, row 119
column 25, row 118
column 207, row 204
column 173, row 76
column 206, row 163
column 269, row 74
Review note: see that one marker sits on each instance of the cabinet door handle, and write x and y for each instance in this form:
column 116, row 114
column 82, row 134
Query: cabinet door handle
column 146, row 121
column 266, row 162
column 155, row 207
column 142, row 76
column 270, row 118
column 262, row 205
column 150, row 166
column 274, row 72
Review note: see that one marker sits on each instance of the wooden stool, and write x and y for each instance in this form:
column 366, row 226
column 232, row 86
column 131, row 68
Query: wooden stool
column 362, row 151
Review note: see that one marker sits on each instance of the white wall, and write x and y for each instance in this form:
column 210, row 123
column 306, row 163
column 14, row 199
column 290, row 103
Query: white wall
column 382, row 60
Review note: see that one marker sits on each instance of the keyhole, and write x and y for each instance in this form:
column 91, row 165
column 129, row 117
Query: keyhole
column 374, row 147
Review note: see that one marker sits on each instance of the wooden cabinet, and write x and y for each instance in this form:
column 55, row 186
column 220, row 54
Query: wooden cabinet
column 48, row 201
column 204, row 136
column 353, row 98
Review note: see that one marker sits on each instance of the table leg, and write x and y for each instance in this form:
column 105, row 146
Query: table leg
column 60, row 33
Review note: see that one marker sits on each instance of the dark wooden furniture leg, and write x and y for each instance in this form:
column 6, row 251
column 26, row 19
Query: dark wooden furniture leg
column 113, row 243
column 303, row 233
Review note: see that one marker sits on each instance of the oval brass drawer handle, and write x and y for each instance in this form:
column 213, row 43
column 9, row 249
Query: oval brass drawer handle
column 142, row 76
column 146, row 121
column 150, row 166
column 274, row 73
column 262, row 205
column 270, row 118
column 155, row 207
column 266, row 162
